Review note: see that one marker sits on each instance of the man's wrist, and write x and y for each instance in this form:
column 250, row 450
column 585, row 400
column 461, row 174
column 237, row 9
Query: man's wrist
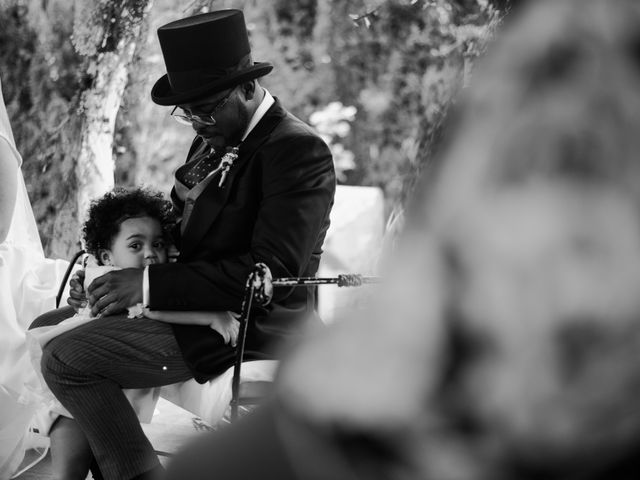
column 145, row 286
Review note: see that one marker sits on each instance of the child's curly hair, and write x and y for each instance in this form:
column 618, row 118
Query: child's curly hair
column 107, row 213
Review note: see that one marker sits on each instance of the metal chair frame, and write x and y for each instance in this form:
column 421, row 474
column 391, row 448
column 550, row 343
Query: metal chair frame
column 259, row 288
column 65, row 279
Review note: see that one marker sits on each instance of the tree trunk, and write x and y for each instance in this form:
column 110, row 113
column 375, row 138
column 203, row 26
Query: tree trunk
column 105, row 32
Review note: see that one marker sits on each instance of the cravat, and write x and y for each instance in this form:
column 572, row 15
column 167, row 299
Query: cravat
column 200, row 169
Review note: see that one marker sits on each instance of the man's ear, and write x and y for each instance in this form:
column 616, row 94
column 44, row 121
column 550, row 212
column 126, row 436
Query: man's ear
column 104, row 256
column 249, row 89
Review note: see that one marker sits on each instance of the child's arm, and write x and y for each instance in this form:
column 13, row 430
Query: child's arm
column 222, row 322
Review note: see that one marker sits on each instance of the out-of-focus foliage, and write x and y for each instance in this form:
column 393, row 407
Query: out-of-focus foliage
column 100, row 24
column 397, row 62
column 414, row 57
column 333, row 123
column 42, row 77
column 64, row 65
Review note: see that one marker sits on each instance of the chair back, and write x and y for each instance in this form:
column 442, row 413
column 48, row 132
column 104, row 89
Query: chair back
column 67, row 274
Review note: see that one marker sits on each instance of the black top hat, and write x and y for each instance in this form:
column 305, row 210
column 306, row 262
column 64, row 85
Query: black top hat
column 204, row 54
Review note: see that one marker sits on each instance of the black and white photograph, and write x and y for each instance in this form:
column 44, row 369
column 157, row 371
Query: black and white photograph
column 319, row 239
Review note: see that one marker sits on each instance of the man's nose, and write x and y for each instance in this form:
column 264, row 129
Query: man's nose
column 199, row 128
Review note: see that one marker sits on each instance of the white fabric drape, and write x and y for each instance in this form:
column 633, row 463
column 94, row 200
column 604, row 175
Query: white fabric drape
column 28, row 286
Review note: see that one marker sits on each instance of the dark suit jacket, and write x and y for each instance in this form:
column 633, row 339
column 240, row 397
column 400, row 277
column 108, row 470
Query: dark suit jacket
column 273, row 208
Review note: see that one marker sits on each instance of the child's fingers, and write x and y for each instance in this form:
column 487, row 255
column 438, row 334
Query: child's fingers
column 234, row 328
column 225, row 334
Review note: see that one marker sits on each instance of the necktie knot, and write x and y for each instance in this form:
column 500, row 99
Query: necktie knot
column 200, row 169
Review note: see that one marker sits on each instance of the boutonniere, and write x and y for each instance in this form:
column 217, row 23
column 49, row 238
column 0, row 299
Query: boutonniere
column 226, row 162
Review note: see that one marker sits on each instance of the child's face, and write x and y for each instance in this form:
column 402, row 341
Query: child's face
column 138, row 243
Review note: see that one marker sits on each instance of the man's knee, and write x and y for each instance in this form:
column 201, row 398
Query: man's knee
column 50, row 363
column 53, row 317
column 59, row 359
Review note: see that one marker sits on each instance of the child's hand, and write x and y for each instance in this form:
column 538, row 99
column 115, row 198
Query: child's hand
column 228, row 327
column 77, row 296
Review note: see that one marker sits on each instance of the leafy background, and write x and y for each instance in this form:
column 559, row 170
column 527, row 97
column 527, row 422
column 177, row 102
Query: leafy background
column 375, row 77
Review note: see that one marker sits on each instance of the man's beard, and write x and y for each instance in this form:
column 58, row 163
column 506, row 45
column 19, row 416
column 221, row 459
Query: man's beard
column 220, row 142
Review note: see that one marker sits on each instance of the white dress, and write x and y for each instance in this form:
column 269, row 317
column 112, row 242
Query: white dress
column 28, row 287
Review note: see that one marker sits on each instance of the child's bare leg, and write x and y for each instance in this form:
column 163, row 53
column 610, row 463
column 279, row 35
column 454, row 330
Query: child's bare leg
column 71, row 455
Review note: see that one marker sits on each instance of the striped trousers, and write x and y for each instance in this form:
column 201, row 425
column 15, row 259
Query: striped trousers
column 87, row 368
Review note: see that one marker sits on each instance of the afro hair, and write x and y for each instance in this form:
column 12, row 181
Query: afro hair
column 107, row 213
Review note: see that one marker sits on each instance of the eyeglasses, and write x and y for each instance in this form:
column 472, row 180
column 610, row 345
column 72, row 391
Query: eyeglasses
column 184, row 116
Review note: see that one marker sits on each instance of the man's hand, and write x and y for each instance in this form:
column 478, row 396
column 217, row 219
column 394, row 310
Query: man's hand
column 115, row 291
column 77, row 298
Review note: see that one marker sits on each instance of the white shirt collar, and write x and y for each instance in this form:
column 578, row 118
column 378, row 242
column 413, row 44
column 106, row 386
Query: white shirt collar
column 265, row 105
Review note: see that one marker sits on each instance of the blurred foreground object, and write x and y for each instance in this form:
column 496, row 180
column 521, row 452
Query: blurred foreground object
column 506, row 342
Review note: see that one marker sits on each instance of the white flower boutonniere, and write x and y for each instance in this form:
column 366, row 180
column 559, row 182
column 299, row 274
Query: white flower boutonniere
column 226, row 163
column 136, row 311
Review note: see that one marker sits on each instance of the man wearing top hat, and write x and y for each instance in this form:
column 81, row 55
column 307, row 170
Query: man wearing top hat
column 257, row 186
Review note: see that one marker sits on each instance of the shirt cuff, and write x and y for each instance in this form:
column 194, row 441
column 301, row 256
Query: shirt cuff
column 145, row 286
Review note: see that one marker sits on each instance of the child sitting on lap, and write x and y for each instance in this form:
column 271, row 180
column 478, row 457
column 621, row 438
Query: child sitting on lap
column 124, row 229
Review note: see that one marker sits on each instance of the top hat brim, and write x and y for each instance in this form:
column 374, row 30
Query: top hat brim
column 163, row 94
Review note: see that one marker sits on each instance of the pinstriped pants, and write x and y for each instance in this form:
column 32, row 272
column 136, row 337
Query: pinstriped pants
column 87, row 368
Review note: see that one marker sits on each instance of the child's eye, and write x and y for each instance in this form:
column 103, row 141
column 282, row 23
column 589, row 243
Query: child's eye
column 135, row 246
column 159, row 244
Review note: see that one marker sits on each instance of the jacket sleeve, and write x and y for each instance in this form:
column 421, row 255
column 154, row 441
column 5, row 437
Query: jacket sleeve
column 298, row 186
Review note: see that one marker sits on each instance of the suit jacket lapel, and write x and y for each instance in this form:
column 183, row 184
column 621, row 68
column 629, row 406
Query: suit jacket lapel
column 213, row 198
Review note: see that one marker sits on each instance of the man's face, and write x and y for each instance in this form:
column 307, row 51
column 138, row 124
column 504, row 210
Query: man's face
column 219, row 119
